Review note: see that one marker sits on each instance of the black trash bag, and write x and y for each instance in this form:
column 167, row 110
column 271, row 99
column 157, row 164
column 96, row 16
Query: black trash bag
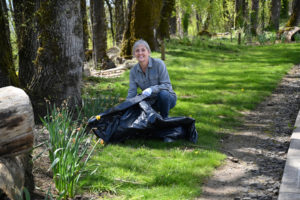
column 135, row 118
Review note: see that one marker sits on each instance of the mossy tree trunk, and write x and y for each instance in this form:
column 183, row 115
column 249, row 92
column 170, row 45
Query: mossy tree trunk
column 275, row 14
column 85, row 25
column 143, row 23
column 7, row 71
column 165, row 14
column 111, row 19
column 254, row 17
column 119, row 20
column 126, row 42
column 294, row 19
column 60, row 55
column 26, row 31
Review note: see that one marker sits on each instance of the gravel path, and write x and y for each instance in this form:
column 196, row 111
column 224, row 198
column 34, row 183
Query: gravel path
column 257, row 151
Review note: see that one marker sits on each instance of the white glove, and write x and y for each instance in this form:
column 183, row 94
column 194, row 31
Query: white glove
column 147, row 92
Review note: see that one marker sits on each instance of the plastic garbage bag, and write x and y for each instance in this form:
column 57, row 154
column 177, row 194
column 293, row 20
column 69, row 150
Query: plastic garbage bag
column 135, row 118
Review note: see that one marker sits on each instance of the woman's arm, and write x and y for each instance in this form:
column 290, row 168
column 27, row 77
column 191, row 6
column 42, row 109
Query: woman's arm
column 132, row 91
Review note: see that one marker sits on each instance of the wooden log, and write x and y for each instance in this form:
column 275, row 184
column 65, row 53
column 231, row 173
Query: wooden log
column 289, row 33
column 16, row 122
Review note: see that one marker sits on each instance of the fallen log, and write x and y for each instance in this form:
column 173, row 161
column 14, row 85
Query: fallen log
column 16, row 140
column 16, row 122
column 289, row 33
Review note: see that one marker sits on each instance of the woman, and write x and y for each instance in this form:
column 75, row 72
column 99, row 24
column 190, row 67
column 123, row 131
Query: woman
column 151, row 75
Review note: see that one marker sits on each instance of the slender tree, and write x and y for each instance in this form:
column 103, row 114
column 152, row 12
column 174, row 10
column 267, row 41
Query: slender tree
column 111, row 19
column 7, row 71
column 294, row 19
column 26, row 31
column 85, row 25
column 239, row 19
column 254, row 17
column 119, row 20
column 60, row 55
column 275, row 14
column 99, row 35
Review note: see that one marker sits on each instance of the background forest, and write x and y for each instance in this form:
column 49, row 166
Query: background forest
column 220, row 55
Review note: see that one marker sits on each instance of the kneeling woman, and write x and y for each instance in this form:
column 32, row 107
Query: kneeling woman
column 151, row 75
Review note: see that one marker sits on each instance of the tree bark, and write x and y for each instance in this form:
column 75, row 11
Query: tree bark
column 163, row 29
column 275, row 14
column 254, row 17
column 84, row 25
column 99, row 31
column 143, row 23
column 126, row 42
column 26, row 32
column 111, row 21
column 7, row 71
column 172, row 23
column 294, row 19
column 60, row 57
column 99, row 35
column 119, row 20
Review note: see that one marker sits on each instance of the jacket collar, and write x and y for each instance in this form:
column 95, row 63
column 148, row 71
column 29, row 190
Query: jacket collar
column 149, row 64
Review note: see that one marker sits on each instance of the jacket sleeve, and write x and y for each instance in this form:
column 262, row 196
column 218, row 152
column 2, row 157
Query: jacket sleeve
column 132, row 91
column 164, row 79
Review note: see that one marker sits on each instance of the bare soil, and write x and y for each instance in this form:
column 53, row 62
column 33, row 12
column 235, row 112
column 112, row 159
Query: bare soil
column 256, row 152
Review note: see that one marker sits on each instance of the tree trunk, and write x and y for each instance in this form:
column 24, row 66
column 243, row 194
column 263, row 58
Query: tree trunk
column 172, row 25
column 198, row 21
column 26, row 32
column 126, row 42
column 179, row 21
column 165, row 14
column 84, row 25
column 60, row 57
column 239, row 19
column 99, row 31
column 295, row 16
column 275, row 14
column 263, row 14
column 284, row 11
column 111, row 19
column 143, row 23
column 254, row 17
column 208, row 18
column 119, row 21
column 99, row 35
column 7, row 71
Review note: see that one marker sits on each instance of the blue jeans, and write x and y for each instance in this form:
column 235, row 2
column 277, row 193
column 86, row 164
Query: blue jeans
column 165, row 101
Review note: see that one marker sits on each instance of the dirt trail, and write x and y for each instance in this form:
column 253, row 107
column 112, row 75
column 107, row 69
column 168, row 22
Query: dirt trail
column 257, row 151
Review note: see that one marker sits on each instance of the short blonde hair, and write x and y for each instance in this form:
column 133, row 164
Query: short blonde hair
column 140, row 42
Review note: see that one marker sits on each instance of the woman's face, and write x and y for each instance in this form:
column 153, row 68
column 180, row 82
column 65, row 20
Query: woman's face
column 142, row 54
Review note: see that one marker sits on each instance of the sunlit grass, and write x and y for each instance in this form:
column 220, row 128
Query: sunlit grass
column 214, row 81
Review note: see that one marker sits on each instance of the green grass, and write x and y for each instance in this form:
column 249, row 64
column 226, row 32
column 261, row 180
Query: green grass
column 214, row 81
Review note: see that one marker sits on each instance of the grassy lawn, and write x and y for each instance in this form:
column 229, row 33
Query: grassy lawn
column 214, row 81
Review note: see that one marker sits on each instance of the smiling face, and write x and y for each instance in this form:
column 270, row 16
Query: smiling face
column 142, row 54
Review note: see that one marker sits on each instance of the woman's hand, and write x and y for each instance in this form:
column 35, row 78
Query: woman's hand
column 147, row 92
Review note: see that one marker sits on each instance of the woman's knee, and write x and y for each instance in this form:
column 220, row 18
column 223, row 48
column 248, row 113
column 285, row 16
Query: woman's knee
column 163, row 95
